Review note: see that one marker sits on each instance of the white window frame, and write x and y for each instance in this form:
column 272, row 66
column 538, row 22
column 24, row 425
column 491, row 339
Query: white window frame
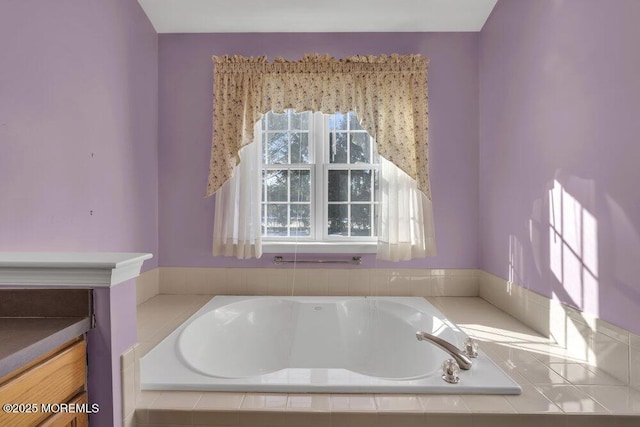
column 319, row 241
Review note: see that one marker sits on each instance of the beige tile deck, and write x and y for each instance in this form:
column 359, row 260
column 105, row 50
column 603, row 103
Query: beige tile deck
column 555, row 388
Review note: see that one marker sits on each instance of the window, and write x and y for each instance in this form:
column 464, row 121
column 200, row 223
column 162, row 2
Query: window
column 310, row 179
column 314, row 183
column 319, row 178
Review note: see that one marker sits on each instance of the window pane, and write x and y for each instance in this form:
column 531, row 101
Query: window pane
column 338, row 220
column 300, row 185
column 361, row 220
column 353, row 121
column 359, row 149
column 277, row 121
column 361, row 185
column 299, row 147
column 300, row 220
column 338, row 185
column 276, row 220
column 338, row 122
column 277, row 148
column 300, row 121
column 277, row 186
column 338, row 147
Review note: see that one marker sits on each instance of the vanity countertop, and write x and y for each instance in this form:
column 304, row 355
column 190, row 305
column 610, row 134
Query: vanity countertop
column 26, row 339
column 36, row 321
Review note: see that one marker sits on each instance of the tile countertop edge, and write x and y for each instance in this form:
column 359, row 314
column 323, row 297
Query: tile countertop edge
column 42, row 346
column 69, row 269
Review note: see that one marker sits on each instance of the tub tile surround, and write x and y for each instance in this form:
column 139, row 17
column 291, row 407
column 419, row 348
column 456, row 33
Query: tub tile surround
column 316, row 281
column 581, row 385
column 604, row 349
column 147, row 285
column 130, row 384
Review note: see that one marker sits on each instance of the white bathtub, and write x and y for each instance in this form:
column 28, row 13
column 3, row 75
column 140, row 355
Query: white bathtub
column 315, row 344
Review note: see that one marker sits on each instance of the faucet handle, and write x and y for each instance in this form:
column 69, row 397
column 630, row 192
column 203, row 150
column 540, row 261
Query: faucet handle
column 451, row 371
column 470, row 347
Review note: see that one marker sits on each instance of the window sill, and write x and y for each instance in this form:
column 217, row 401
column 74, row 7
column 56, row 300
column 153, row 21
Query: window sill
column 319, row 247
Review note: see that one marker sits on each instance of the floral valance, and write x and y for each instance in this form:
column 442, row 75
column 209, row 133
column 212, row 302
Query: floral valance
column 388, row 93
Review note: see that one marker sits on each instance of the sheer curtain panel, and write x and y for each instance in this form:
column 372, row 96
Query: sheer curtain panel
column 236, row 224
column 405, row 217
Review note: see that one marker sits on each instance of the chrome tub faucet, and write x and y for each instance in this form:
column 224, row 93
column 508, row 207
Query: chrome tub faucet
column 458, row 355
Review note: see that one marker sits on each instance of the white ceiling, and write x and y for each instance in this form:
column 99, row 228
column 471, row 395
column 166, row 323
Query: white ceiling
column 286, row 16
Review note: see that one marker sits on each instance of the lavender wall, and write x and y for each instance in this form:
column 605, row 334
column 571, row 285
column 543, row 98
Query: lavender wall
column 185, row 91
column 78, row 127
column 559, row 108
column 79, row 153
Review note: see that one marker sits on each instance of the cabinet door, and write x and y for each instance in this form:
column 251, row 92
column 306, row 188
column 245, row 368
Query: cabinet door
column 65, row 419
column 55, row 380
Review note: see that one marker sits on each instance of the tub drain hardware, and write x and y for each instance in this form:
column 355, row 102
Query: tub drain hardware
column 451, row 371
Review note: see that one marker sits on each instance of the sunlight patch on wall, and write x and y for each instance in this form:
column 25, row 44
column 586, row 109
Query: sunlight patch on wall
column 573, row 248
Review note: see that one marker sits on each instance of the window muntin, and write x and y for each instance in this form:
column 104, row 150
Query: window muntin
column 333, row 199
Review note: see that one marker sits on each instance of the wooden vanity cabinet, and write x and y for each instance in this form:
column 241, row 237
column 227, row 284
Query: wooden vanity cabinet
column 58, row 377
column 65, row 419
